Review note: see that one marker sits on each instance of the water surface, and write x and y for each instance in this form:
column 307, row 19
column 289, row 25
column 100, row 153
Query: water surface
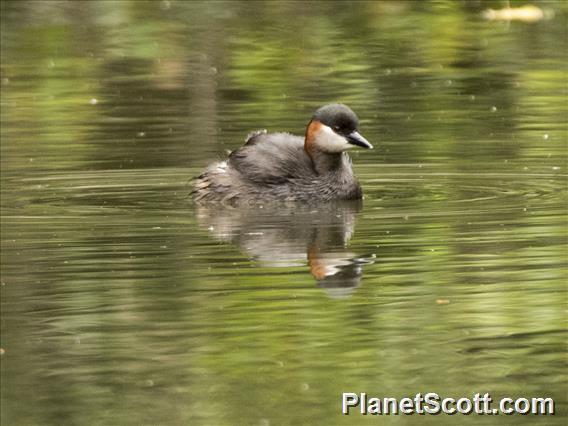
column 123, row 303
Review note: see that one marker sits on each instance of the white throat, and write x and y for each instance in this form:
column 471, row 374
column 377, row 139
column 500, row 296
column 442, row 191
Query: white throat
column 329, row 141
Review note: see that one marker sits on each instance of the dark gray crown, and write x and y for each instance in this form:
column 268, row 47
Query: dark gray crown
column 337, row 116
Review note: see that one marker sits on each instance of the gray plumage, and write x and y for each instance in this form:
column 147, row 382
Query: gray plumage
column 284, row 167
column 272, row 167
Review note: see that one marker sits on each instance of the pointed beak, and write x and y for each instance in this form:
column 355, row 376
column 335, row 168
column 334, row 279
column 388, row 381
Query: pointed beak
column 355, row 138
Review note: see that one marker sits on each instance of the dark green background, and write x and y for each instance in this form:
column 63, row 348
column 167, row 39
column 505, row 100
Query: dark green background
column 123, row 304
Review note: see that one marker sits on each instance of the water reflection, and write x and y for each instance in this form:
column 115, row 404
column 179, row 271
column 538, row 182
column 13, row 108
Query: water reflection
column 293, row 235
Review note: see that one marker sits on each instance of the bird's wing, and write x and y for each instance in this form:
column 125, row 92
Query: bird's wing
column 271, row 158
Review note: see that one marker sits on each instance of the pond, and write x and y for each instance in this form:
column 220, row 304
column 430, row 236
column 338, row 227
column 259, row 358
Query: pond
column 125, row 303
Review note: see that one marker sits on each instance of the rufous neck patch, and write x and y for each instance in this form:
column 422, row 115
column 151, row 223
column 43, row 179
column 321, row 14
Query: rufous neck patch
column 316, row 263
column 311, row 133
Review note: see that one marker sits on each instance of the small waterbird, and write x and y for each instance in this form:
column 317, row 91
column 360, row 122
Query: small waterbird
column 285, row 167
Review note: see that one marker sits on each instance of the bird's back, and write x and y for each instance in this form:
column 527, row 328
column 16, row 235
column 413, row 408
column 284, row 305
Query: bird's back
column 269, row 167
column 268, row 159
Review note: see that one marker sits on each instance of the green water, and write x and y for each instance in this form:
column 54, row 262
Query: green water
column 125, row 304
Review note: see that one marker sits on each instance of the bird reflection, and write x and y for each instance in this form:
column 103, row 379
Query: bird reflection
column 291, row 235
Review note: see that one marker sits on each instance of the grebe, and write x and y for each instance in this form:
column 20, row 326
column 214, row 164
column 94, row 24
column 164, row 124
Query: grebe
column 284, row 167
